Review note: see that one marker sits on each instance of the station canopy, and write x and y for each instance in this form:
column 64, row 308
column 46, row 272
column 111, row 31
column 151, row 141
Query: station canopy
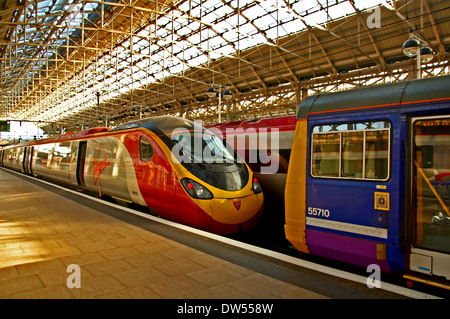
column 72, row 64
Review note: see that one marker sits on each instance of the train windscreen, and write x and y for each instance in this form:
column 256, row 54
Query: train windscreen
column 203, row 153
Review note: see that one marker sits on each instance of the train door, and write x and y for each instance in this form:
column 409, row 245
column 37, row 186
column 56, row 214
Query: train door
column 430, row 195
column 81, row 160
column 146, row 170
column 73, row 163
column 30, row 160
column 27, row 160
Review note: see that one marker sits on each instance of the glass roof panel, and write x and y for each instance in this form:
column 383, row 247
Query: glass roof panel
column 190, row 35
column 365, row 4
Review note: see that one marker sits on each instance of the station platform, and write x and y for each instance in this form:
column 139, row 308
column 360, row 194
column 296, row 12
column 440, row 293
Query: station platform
column 120, row 255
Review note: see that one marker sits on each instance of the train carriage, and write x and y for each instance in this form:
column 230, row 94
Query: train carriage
column 201, row 185
column 368, row 177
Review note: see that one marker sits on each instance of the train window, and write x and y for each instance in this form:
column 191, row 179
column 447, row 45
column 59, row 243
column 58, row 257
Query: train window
column 62, row 154
column 351, row 150
column 325, row 157
column 146, row 149
column 352, row 154
column 377, row 154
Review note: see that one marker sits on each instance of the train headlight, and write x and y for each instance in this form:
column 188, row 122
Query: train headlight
column 256, row 187
column 196, row 190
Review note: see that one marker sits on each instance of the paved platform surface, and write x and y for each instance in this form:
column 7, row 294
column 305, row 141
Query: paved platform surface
column 43, row 231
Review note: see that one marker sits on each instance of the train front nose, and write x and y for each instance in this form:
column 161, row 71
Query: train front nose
column 236, row 214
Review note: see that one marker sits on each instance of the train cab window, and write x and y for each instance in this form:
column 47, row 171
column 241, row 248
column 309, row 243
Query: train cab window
column 351, row 150
column 146, row 149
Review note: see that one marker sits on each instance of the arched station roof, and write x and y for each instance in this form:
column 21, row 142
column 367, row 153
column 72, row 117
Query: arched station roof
column 72, row 63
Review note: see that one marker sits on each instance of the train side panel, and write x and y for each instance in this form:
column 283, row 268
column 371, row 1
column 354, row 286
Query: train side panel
column 52, row 161
column 352, row 196
column 109, row 169
column 156, row 178
column 13, row 158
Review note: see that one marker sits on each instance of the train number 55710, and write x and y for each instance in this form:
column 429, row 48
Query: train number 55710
column 318, row 212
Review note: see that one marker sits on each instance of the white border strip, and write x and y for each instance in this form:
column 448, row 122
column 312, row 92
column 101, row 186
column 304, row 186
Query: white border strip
column 347, row 227
column 279, row 256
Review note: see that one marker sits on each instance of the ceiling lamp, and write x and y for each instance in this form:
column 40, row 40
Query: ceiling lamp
column 411, row 47
column 426, row 54
column 211, row 91
column 227, row 95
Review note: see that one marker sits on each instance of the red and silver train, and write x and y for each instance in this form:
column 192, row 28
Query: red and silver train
column 176, row 167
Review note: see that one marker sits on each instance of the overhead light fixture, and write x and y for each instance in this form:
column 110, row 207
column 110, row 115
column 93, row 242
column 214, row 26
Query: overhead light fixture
column 227, row 95
column 211, row 91
column 411, row 47
column 426, row 54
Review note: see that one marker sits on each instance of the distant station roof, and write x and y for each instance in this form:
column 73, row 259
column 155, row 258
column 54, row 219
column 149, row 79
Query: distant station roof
column 73, row 63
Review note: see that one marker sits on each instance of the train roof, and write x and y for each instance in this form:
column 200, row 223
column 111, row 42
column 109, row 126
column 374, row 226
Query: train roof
column 61, row 138
column 8, row 146
column 88, row 132
column 73, row 135
column 392, row 94
column 160, row 124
